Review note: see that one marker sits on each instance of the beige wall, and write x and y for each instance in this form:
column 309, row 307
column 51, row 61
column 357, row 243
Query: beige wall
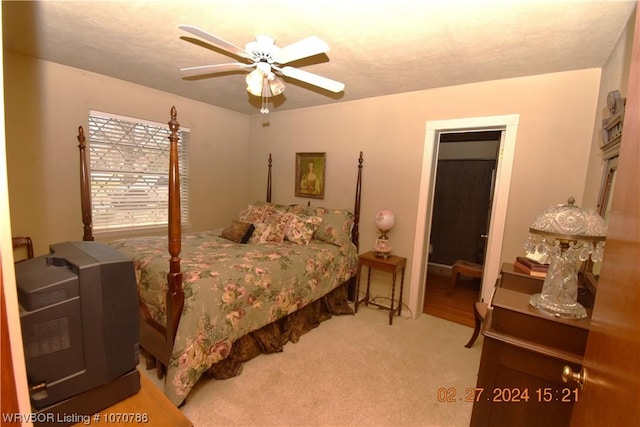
column 557, row 112
column 45, row 104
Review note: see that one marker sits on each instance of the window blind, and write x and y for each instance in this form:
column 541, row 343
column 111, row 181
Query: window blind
column 129, row 172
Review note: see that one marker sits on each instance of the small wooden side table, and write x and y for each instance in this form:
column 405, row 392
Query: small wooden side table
column 392, row 264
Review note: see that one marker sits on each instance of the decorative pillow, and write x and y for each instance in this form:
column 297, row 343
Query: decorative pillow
column 301, row 228
column 296, row 209
column 253, row 214
column 238, row 231
column 260, row 234
column 335, row 227
column 271, row 208
column 278, row 223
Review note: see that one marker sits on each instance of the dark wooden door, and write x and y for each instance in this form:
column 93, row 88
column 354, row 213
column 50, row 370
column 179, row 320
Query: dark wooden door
column 612, row 358
column 461, row 203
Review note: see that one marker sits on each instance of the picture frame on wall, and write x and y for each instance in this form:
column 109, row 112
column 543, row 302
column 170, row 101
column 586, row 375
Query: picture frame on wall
column 310, row 175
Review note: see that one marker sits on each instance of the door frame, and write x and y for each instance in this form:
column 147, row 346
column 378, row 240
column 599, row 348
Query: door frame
column 508, row 124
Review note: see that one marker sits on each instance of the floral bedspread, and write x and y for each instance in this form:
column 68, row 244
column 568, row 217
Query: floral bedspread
column 230, row 290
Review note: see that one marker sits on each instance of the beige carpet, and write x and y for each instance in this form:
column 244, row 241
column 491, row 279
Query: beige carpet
column 350, row 371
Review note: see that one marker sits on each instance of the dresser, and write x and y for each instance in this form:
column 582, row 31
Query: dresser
column 512, row 278
column 523, row 356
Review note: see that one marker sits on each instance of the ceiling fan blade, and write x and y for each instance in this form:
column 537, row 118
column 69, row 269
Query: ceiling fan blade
column 301, row 49
column 312, row 79
column 216, row 41
column 217, row 68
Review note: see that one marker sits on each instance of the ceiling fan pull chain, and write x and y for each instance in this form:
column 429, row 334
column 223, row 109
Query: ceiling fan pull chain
column 265, row 95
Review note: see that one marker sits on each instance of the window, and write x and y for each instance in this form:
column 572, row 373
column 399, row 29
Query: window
column 129, row 172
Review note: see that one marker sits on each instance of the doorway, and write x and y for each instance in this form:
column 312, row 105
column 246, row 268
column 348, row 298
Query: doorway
column 463, row 195
column 508, row 126
column 463, row 192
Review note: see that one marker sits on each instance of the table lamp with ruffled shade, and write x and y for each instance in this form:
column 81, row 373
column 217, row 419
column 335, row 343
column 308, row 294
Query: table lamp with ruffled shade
column 567, row 234
column 384, row 220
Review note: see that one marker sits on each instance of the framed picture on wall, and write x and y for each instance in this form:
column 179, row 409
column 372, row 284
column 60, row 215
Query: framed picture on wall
column 310, row 175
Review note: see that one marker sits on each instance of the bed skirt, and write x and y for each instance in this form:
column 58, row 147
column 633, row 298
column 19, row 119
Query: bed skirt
column 272, row 337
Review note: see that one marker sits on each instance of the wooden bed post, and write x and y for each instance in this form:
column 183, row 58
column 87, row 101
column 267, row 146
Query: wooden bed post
column 175, row 295
column 269, row 180
column 85, row 188
column 356, row 209
column 355, row 232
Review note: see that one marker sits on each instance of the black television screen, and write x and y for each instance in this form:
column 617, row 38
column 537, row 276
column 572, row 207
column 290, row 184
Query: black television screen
column 79, row 319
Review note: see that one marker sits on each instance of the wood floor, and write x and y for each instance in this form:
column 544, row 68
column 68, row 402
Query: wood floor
column 456, row 307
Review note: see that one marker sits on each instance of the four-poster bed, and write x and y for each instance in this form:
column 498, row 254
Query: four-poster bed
column 218, row 302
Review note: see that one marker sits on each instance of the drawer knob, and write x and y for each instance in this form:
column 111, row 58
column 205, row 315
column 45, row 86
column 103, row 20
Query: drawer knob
column 569, row 375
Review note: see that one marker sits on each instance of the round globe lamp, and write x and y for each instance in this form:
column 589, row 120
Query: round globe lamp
column 384, row 220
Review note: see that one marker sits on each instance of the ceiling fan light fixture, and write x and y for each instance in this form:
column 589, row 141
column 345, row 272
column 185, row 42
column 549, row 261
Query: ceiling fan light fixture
column 254, row 82
column 264, row 84
column 276, row 85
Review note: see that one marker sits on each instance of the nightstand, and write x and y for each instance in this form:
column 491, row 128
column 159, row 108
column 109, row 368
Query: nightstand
column 392, row 264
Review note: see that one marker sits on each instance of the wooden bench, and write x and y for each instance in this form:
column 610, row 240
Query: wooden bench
column 464, row 268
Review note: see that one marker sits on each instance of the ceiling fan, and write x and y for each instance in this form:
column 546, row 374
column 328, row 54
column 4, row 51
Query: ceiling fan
column 267, row 61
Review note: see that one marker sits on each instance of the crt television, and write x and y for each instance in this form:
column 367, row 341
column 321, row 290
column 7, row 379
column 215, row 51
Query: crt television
column 79, row 319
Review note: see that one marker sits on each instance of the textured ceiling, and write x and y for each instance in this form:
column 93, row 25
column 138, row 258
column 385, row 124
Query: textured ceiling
column 377, row 47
